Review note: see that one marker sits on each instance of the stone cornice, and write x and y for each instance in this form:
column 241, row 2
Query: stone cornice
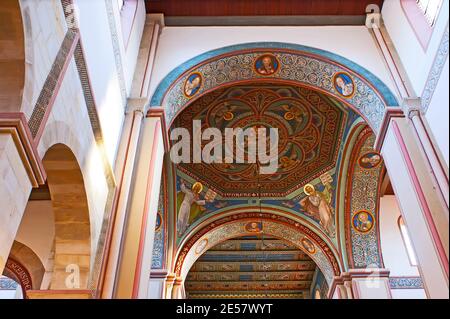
column 357, row 274
column 16, row 125
column 391, row 112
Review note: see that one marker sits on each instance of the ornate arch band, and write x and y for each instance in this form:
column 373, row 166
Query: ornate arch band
column 299, row 65
column 270, row 224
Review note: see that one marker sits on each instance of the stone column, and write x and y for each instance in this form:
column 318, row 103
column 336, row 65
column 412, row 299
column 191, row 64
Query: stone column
column 124, row 170
column 136, row 251
column 421, row 204
column 169, row 284
column 413, row 108
column 417, row 174
column 178, row 291
column 125, row 163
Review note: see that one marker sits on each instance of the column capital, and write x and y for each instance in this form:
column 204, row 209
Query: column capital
column 136, row 105
column 412, row 107
column 160, row 274
column 156, row 18
column 159, row 113
column 171, row 277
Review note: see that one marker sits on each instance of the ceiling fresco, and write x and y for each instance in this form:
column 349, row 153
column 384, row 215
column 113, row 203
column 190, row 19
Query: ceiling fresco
column 313, row 127
column 310, row 127
column 251, row 267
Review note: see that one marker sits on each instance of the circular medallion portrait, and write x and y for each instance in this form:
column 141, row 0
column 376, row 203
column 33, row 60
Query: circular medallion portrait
column 344, row 85
column 370, row 160
column 267, row 64
column 201, row 246
column 254, row 227
column 308, row 245
column 363, row 221
column 193, row 84
column 158, row 221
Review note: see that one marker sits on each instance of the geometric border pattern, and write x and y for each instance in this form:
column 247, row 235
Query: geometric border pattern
column 406, row 283
column 287, row 229
column 160, row 242
column 436, row 71
column 363, row 193
column 298, row 64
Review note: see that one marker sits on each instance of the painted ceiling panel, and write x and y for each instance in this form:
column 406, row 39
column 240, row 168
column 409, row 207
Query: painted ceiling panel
column 310, row 127
column 227, row 270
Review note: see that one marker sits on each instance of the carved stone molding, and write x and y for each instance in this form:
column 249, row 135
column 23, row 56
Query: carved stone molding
column 351, row 274
column 16, row 125
column 412, row 107
column 390, row 113
column 59, row 294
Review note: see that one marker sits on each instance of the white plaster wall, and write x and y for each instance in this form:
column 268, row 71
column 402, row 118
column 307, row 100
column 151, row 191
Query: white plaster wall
column 408, row 294
column 155, row 288
column 395, row 255
column 415, row 59
column 130, row 53
column 99, row 53
column 179, row 44
column 370, row 288
column 437, row 115
column 37, row 229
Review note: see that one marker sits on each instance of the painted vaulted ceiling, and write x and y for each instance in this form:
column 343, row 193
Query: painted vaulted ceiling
column 310, row 127
column 252, row 267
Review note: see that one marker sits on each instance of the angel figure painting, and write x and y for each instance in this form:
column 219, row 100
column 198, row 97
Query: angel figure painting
column 317, row 204
column 190, row 206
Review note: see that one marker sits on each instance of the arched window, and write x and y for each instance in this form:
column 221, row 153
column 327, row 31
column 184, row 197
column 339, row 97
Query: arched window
column 422, row 16
column 407, row 241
